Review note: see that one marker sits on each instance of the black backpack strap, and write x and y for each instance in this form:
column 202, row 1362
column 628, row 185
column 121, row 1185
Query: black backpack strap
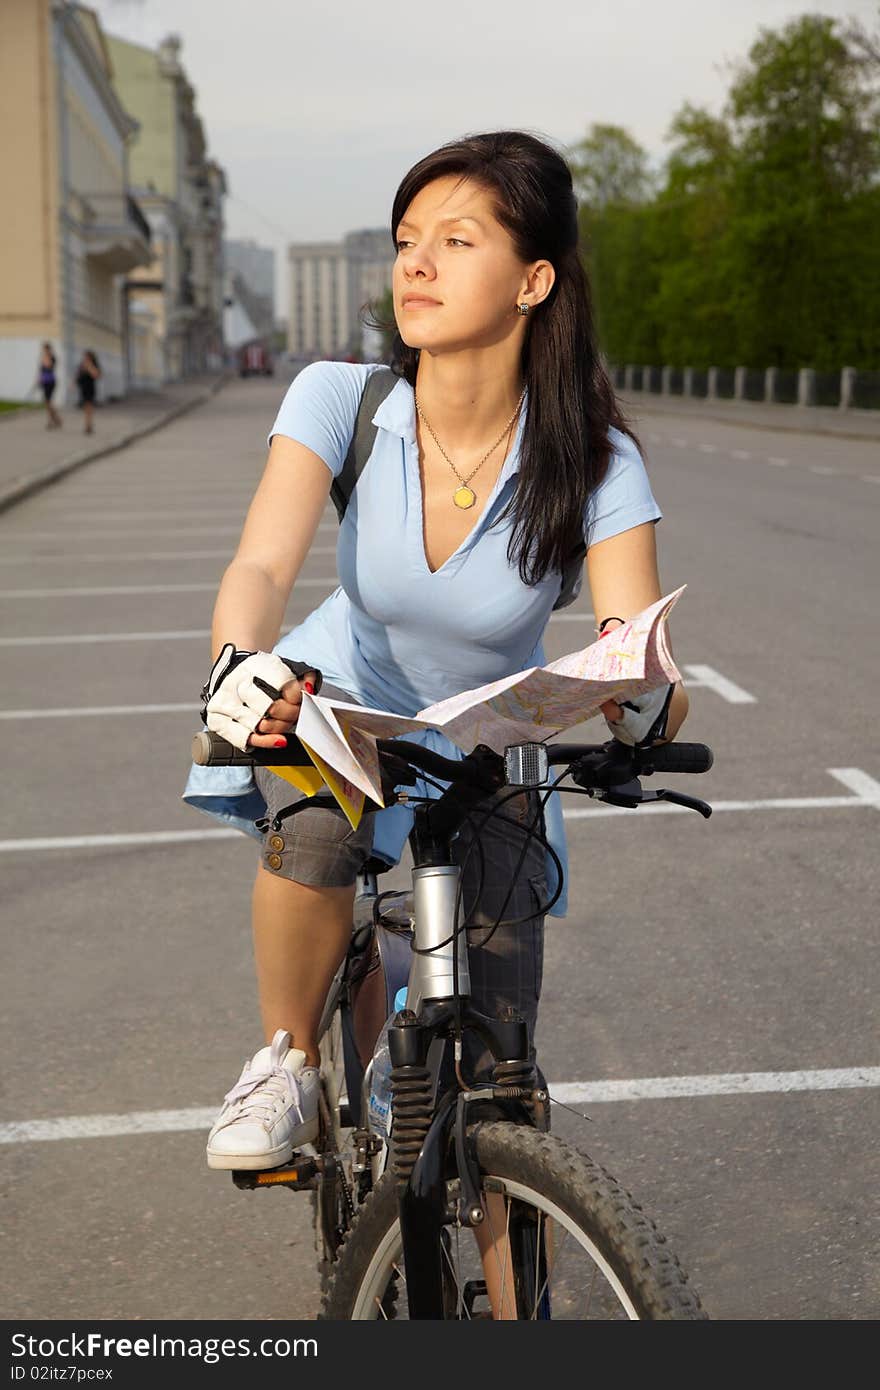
column 379, row 385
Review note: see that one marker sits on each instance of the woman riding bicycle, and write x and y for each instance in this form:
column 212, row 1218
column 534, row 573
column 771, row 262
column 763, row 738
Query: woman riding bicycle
column 498, row 448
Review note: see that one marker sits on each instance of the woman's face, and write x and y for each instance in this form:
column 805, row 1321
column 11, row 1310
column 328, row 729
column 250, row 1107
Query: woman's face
column 452, row 250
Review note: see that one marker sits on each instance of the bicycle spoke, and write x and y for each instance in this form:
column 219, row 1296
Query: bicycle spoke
column 459, row 1299
column 590, row 1294
column 552, row 1268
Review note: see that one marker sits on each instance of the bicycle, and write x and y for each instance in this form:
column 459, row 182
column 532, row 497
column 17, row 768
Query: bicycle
column 390, row 1217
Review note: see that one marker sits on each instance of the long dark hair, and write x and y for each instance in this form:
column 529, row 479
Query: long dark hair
column 571, row 407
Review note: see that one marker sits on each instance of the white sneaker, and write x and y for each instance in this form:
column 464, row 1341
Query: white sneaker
column 272, row 1109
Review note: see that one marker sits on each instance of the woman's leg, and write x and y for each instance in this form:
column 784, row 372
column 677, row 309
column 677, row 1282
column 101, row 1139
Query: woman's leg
column 88, row 411
column 301, row 935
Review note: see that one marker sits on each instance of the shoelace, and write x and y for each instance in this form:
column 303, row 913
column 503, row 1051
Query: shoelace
column 275, row 1082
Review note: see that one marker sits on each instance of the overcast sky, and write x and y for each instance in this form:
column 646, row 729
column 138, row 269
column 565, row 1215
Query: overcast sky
column 316, row 110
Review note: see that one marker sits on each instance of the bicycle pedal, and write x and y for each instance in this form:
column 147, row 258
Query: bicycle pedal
column 298, row 1175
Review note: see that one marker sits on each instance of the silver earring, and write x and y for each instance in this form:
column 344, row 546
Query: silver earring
column 523, row 309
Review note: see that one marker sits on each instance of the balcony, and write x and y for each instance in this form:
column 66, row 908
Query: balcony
column 117, row 233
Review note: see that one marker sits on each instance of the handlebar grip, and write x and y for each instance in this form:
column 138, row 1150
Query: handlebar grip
column 677, row 757
column 210, row 750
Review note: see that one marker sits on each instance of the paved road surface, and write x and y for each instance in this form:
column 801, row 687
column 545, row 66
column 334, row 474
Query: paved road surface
column 746, row 944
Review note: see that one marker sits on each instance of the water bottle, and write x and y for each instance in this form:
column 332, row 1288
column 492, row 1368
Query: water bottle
column 380, row 1088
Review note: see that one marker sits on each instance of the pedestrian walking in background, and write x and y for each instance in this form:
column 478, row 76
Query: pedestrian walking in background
column 87, row 375
column 47, row 382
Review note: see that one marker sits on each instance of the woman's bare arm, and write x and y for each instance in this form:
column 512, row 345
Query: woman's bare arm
column 278, row 531
column 624, row 579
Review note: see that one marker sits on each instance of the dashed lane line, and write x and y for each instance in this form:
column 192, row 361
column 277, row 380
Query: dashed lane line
column 109, row 590
column 71, row 557
column 73, row 1127
column 62, row 639
column 866, row 793
column 20, row 534
column 707, row 678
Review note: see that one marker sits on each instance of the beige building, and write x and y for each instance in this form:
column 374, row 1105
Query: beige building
column 176, row 302
column 331, row 283
column 71, row 228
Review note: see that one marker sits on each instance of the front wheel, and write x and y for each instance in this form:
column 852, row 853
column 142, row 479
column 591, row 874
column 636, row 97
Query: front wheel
column 561, row 1239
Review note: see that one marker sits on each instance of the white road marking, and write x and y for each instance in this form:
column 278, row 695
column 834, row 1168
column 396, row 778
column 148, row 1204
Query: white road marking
column 21, row 535
column 151, row 837
column 821, row 468
column 707, row 678
column 71, row 557
column 725, row 1084
column 859, row 782
column 870, row 478
column 73, row 534
column 109, row 590
column 867, row 794
column 73, row 1127
column 59, row 640
column 778, row 463
column 740, row 453
column 572, row 617
column 96, row 711
column 708, row 448
column 679, row 443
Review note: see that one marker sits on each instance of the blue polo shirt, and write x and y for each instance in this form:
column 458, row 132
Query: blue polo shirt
column 396, row 635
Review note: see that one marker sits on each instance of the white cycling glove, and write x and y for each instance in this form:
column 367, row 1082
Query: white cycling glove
column 233, row 703
column 644, row 718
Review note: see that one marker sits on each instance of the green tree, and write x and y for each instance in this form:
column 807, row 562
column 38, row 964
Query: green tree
column 804, row 110
column 609, row 167
column 614, row 185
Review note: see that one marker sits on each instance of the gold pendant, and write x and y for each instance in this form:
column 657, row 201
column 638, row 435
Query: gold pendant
column 464, row 497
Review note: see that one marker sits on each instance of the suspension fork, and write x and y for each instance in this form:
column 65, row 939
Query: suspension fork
column 421, row 1135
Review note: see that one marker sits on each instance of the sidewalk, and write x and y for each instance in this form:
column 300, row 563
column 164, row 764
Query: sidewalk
column 32, row 457
column 816, row 419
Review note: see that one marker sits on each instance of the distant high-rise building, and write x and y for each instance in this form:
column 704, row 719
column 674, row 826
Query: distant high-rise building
column 255, row 264
column 330, row 284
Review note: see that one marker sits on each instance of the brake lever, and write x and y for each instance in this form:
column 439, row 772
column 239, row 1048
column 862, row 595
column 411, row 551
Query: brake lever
column 631, row 794
column 692, row 803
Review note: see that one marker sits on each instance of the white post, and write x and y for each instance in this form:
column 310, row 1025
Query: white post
column 807, row 386
column 739, row 383
column 847, row 387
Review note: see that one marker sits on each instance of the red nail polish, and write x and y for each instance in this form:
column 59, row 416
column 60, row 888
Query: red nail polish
column 281, row 743
column 307, row 685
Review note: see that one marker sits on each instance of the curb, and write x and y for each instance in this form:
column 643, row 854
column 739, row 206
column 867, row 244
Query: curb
column 26, row 487
column 650, row 403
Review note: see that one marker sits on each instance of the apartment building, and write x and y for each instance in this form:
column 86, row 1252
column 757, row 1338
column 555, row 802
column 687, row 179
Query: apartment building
column 175, row 302
column 71, row 228
column 331, row 283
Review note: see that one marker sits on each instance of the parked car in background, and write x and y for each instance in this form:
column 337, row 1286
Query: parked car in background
column 254, row 359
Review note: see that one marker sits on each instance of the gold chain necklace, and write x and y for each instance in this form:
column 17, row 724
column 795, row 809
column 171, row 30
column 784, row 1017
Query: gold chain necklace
column 465, row 496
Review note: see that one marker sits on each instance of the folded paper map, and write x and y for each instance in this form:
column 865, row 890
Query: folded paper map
column 527, row 707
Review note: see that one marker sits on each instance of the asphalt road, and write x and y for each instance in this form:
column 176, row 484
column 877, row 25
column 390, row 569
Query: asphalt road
column 745, row 944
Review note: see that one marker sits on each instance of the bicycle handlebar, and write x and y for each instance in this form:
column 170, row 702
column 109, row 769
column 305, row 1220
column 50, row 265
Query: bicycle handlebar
column 602, row 759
